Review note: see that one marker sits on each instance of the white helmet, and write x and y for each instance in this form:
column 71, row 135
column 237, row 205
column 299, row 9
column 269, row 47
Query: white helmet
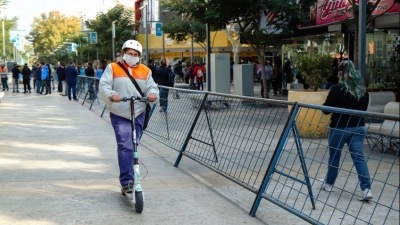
column 132, row 44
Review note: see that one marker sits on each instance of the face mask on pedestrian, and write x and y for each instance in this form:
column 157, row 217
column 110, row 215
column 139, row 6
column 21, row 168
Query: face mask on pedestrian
column 131, row 60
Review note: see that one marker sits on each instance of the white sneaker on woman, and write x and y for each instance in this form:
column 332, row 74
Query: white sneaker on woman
column 325, row 186
column 365, row 195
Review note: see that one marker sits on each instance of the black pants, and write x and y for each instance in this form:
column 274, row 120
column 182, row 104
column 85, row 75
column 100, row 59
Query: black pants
column 275, row 86
column 27, row 85
column 60, row 86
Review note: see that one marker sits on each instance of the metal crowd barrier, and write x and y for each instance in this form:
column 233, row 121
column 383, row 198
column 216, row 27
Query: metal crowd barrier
column 292, row 180
column 279, row 150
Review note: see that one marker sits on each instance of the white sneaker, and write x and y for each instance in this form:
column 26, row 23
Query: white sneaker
column 325, row 186
column 365, row 195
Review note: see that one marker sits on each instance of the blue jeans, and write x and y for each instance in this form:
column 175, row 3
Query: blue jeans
column 38, row 85
column 354, row 138
column 123, row 134
column 73, row 87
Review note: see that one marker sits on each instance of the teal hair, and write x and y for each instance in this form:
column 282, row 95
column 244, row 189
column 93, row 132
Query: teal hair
column 351, row 81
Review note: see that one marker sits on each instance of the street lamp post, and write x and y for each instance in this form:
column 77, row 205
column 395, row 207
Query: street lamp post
column 113, row 39
column 361, row 38
column 146, row 29
column 4, row 38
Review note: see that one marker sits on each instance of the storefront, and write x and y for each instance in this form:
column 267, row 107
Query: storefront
column 328, row 34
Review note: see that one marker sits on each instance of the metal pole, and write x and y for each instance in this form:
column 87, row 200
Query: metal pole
column 147, row 31
column 191, row 50
column 4, row 38
column 362, row 26
column 97, row 54
column 113, row 37
column 163, row 45
column 208, row 73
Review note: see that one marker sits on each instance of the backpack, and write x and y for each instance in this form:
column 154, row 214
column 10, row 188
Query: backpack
column 171, row 77
column 199, row 73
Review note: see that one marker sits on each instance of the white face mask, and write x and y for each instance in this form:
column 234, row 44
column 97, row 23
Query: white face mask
column 131, row 60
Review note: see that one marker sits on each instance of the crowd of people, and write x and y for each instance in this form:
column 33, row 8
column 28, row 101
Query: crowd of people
column 41, row 77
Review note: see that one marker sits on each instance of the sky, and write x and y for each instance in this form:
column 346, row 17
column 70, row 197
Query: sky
column 26, row 10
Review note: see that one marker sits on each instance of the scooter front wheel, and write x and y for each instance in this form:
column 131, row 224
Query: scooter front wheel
column 139, row 201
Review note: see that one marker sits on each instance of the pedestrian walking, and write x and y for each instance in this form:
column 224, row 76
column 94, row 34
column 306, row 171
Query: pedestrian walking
column 15, row 75
column 71, row 76
column 350, row 93
column 4, row 78
column 26, row 78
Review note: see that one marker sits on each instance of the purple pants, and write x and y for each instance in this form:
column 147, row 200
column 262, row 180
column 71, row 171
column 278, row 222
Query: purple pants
column 123, row 134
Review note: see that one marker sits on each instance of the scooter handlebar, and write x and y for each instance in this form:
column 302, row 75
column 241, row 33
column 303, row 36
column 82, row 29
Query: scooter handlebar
column 133, row 98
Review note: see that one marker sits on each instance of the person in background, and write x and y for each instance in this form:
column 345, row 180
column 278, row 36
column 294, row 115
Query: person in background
column 45, row 78
column 268, row 75
column 33, row 75
column 89, row 71
column 99, row 72
column 15, row 75
column 26, row 78
column 163, row 80
column 4, row 78
column 59, row 71
column 38, row 75
column 178, row 71
column 52, row 73
column 153, row 69
column 71, row 76
column 349, row 93
column 199, row 80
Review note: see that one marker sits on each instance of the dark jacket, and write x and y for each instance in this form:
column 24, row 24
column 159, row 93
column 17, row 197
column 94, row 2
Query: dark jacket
column 15, row 72
column 338, row 97
column 153, row 72
column 59, row 71
column 26, row 73
column 89, row 71
column 38, row 73
column 63, row 77
column 162, row 76
column 178, row 70
column 71, row 74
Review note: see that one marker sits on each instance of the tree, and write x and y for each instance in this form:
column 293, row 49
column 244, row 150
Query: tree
column 124, row 30
column 9, row 24
column 50, row 31
column 247, row 14
column 181, row 30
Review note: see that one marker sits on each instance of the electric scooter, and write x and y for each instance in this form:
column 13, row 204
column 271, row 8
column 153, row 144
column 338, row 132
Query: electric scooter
column 137, row 194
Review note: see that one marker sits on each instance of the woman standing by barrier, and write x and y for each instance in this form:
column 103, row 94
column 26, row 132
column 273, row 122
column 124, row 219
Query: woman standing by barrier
column 350, row 93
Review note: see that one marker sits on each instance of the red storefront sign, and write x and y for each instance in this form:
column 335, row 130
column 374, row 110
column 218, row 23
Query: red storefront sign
column 332, row 11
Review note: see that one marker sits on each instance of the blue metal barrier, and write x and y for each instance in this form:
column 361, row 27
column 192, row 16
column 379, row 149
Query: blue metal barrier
column 293, row 180
column 260, row 145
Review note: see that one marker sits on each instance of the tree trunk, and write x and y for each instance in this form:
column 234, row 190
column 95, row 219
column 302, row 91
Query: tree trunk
column 236, row 47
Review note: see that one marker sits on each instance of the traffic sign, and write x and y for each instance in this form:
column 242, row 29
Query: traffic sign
column 159, row 29
column 69, row 49
column 93, row 37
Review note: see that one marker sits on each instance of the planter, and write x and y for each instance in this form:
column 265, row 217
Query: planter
column 311, row 123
